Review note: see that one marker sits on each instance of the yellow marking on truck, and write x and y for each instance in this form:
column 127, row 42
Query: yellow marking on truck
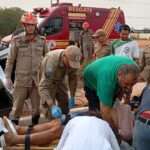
column 111, row 20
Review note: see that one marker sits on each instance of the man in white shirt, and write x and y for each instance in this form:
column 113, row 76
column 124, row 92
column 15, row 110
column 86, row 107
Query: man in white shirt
column 126, row 46
column 89, row 133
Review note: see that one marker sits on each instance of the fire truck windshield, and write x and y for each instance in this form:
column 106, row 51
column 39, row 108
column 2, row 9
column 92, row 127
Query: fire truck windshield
column 52, row 26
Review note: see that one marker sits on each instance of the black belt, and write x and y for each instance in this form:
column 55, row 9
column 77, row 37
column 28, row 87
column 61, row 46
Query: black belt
column 143, row 120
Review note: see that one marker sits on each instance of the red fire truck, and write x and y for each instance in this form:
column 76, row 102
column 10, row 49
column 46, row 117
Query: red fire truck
column 63, row 22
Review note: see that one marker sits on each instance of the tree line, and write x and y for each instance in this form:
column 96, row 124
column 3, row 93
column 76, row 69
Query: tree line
column 9, row 20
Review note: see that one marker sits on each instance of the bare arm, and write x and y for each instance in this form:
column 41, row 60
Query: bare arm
column 107, row 114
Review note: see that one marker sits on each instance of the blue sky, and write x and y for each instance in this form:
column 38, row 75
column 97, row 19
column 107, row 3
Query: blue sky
column 137, row 12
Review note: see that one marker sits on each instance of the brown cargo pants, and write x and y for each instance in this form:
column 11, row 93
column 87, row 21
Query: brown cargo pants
column 21, row 94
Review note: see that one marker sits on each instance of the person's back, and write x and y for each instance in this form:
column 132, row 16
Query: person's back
column 87, row 132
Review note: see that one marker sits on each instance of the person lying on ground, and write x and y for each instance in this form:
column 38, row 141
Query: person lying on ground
column 51, row 131
column 41, row 134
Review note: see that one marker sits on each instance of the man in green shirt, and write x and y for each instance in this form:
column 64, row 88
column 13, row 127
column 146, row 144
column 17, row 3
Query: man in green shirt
column 106, row 79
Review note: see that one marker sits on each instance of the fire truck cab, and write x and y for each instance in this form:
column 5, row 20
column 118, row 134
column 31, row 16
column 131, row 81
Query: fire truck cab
column 63, row 22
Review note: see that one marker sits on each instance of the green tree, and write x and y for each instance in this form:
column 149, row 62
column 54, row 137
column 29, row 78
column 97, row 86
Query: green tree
column 9, row 20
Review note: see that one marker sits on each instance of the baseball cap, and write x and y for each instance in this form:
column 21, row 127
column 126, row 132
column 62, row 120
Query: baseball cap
column 99, row 32
column 74, row 55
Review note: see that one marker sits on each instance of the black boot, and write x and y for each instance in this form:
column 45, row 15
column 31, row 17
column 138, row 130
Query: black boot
column 35, row 119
